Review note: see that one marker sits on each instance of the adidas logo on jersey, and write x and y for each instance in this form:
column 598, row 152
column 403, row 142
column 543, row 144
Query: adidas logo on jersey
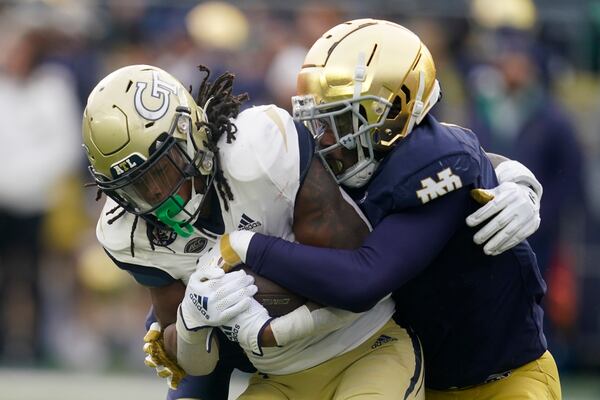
column 247, row 223
column 201, row 303
column 381, row 340
column 231, row 332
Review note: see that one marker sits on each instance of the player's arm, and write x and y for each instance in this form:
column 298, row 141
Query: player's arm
column 399, row 247
column 323, row 217
column 169, row 353
column 165, row 300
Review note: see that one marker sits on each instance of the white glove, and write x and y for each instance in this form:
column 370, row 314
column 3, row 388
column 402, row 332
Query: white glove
column 157, row 358
column 514, row 210
column 246, row 327
column 213, row 297
column 514, row 171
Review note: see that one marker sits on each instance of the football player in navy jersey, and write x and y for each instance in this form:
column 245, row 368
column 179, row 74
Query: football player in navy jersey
column 365, row 91
column 150, row 151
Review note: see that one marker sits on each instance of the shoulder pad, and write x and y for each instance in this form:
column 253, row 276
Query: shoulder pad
column 117, row 235
column 266, row 141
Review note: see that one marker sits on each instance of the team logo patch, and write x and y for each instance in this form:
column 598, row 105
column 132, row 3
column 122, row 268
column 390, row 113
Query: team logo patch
column 447, row 182
column 126, row 165
column 196, row 245
column 161, row 237
column 160, row 90
column 247, row 223
column 381, row 340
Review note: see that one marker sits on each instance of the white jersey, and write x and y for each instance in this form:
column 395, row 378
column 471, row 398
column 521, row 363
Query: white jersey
column 262, row 167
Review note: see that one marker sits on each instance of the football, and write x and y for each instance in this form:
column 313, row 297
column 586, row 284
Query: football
column 275, row 298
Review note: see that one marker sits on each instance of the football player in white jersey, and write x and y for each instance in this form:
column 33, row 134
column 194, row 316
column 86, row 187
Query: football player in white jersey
column 175, row 184
column 178, row 176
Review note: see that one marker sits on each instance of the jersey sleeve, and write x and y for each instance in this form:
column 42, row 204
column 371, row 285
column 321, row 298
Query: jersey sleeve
column 399, row 247
column 269, row 146
column 435, row 180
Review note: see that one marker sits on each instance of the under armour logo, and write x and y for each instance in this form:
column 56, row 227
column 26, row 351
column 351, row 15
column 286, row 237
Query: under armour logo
column 447, row 182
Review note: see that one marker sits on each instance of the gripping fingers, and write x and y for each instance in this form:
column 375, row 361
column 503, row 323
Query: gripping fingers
column 495, row 225
column 503, row 240
column 486, row 212
column 153, row 333
column 236, row 309
column 149, row 361
column 238, row 282
column 163, row 371
column 236, row 303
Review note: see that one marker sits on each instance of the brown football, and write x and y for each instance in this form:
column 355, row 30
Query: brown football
column 275, row 298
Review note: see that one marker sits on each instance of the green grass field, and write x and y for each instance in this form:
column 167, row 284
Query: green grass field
column 50, row 385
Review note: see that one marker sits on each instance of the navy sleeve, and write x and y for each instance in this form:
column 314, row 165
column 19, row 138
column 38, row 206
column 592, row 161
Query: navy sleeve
column 145, row 276
column 401, row 246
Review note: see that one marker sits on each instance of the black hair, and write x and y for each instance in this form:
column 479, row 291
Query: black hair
column 220, row 106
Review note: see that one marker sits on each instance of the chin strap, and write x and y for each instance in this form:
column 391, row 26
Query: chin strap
column 418, row 106
column 169, row 210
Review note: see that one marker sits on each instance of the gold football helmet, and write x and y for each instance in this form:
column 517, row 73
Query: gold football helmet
column 143, row 137
column 369, row 82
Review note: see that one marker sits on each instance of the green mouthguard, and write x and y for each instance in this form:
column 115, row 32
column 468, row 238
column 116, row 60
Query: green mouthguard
column 168, row 210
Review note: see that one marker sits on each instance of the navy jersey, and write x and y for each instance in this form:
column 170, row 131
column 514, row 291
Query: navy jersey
column 477, row 316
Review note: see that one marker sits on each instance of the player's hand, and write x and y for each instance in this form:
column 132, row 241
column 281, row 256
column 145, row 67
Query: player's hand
column 213, row 297
column 512, row 213
column 246, row 327
column 221, row 255
column 229, row 251
column 157, row 358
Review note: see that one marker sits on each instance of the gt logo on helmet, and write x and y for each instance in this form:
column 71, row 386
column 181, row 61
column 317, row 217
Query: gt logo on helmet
column 160, row 90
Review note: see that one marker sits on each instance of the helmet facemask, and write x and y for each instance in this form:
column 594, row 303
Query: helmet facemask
column 388, row 95
column 347, row 121
column 155, row 186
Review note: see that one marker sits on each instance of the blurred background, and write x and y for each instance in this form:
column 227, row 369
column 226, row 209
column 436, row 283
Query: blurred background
column 523, row 74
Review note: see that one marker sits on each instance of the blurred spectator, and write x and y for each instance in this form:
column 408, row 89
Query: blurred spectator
column 311, row 20
column 39, row 132
column 515, row 115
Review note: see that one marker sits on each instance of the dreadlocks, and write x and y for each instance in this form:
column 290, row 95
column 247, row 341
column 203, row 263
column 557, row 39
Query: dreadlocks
column 220, row 105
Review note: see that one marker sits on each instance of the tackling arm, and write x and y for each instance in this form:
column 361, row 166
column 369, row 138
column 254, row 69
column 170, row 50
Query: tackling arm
column 389, row 257
column 323, row 218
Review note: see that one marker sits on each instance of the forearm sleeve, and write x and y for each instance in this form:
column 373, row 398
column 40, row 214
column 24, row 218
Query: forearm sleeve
column 399, row 247
column 197, row 351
